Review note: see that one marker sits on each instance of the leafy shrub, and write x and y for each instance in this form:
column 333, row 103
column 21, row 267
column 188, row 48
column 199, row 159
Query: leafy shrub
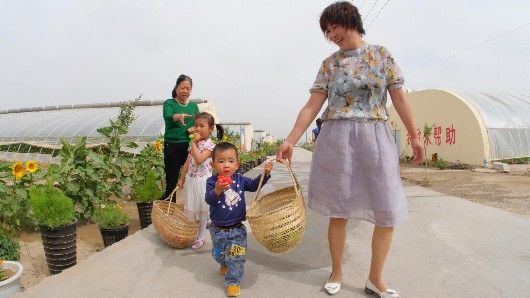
column 51, row 207
column 440, row 164
column 8, row 248
column 149, row 191
column 110, row 216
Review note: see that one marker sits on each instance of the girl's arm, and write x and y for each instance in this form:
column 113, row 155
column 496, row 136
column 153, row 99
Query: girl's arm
column 305, row 118
column 199, row 157
column 183, row 173
column 402, row 106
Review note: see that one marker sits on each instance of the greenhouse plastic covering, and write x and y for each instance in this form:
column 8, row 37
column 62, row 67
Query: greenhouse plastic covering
column 507, row 120
column 44, row 127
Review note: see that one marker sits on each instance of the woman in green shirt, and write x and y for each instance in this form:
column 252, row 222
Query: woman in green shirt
column 178, row 113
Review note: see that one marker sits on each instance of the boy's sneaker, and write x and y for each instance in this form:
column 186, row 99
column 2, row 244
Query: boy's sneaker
column 232, row 291
column 223, row 270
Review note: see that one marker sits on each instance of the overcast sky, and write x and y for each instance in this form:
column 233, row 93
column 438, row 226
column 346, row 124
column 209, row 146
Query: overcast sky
column 256, row 60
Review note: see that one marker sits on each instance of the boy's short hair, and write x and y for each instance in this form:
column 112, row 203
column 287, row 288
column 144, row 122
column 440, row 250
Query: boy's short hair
column 221, row 147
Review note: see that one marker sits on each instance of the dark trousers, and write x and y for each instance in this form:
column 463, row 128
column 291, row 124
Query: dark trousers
column 174, row 158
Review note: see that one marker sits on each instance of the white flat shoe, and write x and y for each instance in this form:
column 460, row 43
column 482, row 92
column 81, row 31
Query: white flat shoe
column 370, row 289
column 332, row 287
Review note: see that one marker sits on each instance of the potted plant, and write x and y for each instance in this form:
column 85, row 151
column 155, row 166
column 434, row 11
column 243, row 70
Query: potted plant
column 112, row 222
column 145, row 194
column 10, row 272
column 55, row 214
column 150, row 162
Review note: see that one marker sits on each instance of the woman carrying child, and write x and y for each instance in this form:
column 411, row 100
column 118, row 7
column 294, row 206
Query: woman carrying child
column 197, row 170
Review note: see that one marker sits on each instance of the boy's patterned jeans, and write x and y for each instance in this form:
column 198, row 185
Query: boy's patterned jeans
column 229, row 247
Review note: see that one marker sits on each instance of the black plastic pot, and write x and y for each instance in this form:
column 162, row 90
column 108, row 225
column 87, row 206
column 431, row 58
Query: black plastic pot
column 60, row 246
column 112, row 235
column 144, row 211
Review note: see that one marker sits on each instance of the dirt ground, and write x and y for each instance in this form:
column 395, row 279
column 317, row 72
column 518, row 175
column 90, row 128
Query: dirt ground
column 507, row 191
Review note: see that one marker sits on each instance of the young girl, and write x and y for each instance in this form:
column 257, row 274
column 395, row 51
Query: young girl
column 196, row 170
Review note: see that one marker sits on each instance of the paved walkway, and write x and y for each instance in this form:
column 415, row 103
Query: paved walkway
column 449, row 247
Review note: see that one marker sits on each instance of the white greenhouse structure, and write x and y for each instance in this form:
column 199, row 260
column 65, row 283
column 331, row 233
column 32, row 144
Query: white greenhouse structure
column 469, row 127
column 44, row 127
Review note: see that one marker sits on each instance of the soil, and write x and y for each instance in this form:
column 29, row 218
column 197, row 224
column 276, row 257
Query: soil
column 507, row 191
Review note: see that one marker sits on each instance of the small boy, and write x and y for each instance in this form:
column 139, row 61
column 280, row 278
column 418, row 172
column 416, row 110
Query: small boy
column 225, row 193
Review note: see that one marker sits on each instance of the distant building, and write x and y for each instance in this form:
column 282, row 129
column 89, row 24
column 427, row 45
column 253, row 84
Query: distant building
column 245, row 130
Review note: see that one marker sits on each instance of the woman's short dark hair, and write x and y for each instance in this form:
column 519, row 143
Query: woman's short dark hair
column 180, row 79
column 341, row 13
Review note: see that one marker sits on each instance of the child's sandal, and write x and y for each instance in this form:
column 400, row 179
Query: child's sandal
column 199, row 243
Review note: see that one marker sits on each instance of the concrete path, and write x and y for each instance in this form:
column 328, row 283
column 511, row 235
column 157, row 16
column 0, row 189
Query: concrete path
column 449, row 247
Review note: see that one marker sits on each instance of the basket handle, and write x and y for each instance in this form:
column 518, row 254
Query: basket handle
column 286, row 163
column 169, row 199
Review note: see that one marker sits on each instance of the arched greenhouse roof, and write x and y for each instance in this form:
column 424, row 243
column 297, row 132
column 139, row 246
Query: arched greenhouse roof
column 45, row 126
column 507, row 121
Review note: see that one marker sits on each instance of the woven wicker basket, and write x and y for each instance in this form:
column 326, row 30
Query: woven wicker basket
column 278, row 219
column 172, row 225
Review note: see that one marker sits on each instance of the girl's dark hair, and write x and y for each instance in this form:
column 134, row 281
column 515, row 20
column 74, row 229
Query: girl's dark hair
column 180, row 79
column 341, row 13
column 319, row 122
column 221, row 147
column 211, row 122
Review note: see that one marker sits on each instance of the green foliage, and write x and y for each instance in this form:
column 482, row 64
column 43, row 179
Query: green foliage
column 14, row 201
column 110, row 216
column 308, row 146
column 517, row 160
column 427, row 131
column 51, row 207
column 440, row 164
column 89, row 178
column 150, row 160
column 9, row 248
column 150, row 190
column 77, row 177
column 113, row 169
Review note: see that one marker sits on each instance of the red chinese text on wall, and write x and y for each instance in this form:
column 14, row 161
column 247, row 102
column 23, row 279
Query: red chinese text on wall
column 450, row 136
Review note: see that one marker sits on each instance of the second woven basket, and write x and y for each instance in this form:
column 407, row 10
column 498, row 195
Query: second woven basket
column 278, row 219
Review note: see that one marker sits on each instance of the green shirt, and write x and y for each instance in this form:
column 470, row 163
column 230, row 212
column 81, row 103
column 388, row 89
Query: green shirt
column 175, row 132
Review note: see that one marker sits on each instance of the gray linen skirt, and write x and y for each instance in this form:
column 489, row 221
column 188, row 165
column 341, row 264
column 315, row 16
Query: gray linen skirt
column 355, row 173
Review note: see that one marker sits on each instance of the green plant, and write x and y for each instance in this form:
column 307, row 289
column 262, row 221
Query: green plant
column 77, row 177
column 110, row 216
column 51, row 207
column 114, row 169
column 150, row 160
column 90, row 178
column 9, row 248
column 427, row 131
column 440, row 164
column 149, row 191
column 15, row 180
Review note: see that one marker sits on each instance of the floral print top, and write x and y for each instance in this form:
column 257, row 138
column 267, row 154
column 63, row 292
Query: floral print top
column 203, row 169
column 356, row 82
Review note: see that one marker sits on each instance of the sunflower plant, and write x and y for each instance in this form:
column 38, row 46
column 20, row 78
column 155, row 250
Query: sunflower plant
column 15, row 180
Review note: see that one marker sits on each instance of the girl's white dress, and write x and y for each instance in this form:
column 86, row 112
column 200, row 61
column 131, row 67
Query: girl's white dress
column 195, row 185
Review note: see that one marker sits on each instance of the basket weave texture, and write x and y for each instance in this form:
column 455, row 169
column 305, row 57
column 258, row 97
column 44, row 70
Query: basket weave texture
column 278, row 219
column 172, row 225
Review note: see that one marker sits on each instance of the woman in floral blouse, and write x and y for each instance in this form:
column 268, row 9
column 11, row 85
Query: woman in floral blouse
column 355, row 166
